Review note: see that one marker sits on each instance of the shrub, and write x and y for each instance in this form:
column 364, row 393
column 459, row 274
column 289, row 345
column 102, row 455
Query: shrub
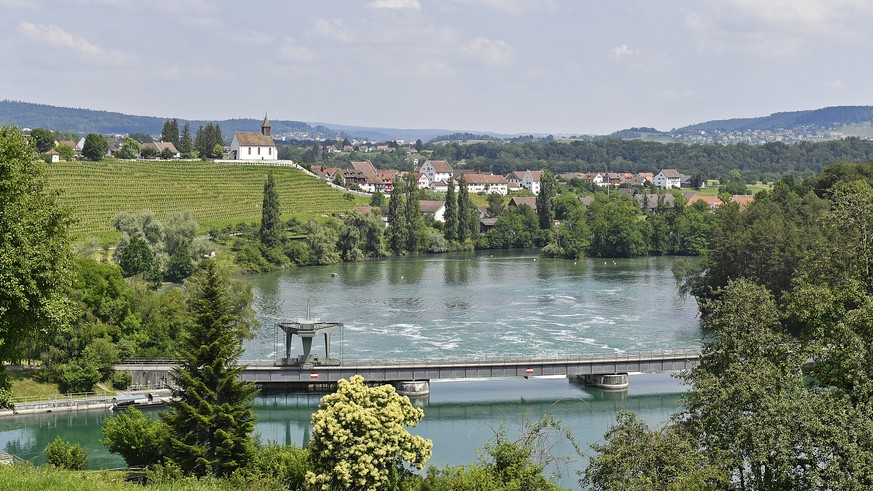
column 65, row 455
column 138, row 439
column 286, row 464
column 121, row 380
column 77, row 377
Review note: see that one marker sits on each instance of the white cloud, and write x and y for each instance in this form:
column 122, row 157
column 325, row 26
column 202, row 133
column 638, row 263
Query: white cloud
column 251, row 37
column 835, row 85
column 514, row 7
column 62, row 40
column 395, row 4
column 622, row 51
column 434, row 69
column 333, row 29
column 490, row 52
column 293, row 52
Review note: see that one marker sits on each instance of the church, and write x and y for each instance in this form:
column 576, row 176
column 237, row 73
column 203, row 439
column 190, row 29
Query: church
column 251, row 145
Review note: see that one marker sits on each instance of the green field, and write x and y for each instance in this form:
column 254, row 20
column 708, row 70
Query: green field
column 215, row 193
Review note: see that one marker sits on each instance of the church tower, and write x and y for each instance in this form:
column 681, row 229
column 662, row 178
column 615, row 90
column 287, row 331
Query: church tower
column 266, row 129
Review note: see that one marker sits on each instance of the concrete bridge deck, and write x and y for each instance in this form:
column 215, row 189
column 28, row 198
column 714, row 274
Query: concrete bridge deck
column 278, row 377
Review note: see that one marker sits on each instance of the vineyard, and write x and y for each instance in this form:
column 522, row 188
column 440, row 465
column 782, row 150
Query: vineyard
column 215, row 193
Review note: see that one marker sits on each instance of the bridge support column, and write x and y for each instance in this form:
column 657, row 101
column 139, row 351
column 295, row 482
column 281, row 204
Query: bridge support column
column 609, row 381
column 413, row 387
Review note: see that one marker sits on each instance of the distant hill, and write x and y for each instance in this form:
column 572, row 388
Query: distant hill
column 824, row 118
column 29, row 115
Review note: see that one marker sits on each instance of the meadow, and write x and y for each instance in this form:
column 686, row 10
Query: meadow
column 216, row 194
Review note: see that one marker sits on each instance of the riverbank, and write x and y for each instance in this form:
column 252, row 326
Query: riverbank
column 69, row 403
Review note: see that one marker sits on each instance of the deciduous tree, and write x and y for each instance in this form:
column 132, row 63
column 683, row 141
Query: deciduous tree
column 271, row 220
column 95, row 147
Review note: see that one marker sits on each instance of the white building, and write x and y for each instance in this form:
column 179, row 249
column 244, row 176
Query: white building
column 436, row 170
column 668, row 179
column 487, row 184
column 531, row 181
column 251, row 145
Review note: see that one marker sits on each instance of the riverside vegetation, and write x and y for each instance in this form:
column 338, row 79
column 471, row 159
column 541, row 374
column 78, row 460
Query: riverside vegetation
column 780, row 400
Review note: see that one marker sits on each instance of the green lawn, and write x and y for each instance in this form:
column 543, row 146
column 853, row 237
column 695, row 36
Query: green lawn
column 215, row 193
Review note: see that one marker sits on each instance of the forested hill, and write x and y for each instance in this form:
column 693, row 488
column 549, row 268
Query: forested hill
column 29, row 115
column 828, row 117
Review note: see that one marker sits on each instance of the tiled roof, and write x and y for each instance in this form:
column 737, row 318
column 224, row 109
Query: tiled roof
column 440, row 165
column 253, row 139
column 429, row 206
column 671, row 173
column 485, row 179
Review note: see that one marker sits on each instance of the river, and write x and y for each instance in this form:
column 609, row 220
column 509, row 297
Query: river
column 492, row 304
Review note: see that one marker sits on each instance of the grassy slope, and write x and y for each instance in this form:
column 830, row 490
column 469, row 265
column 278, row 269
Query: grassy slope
column 216, row 194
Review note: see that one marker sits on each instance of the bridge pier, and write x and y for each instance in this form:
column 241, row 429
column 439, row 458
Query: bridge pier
column 609, row 381
column 413, row 387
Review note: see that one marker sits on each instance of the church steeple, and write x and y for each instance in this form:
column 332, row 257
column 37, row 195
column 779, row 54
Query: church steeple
column 266, row 129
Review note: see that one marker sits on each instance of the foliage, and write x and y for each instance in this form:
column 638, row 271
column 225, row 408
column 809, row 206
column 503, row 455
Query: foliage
column 546, row 200
column 65, row 455
column 361, row 236
column 140, row 440
column 450, row 231
column 322, row 241
column 43, row 139
column 95, row 147
column 636, row 458
column 358, row 438
column 170, row 132
column 614, row 229
column 211, row 419
column 65, row 152
column 129, row 149
column 34, row 252
column 271, row 224
column 207, row 139
column 468, row 215
column 284, row 463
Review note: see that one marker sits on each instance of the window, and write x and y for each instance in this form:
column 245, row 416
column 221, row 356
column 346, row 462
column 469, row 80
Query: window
column 250, row 150
column 259, row 150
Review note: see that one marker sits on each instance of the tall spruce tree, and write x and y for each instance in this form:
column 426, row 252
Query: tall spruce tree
column 397, row 218
column 271, row 222
column 170, row 132
column 186, row 144
column 546, row 200
column 211, row 417
column 451, row 229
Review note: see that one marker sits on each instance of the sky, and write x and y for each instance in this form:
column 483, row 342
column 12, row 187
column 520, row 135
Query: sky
column 506, row 66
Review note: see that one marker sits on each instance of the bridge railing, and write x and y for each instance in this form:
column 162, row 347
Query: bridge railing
column 503, row 360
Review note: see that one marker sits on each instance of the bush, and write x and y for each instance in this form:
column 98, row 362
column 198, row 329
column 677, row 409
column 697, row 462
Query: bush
column 437, row 243
column 250, row 259
column 77, row 377
column 65, row 455
column 285, row 464
column 138, row 439
column 298, row 253
column 120, row 380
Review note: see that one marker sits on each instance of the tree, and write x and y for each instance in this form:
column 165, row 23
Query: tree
column 95, row 147
column 419, row 146
column 495, row 205
column 186, row 144
column 468, row 217
column 136, row 258
column 271, row 220
column 322, row 241
column 358, row 438
column 416, row 233
column 170, row 132
column 207, row 141
column 43, row 139
column 212, row 418
column 377, row 199
column 66, row 152
column 546, row 200
column 339, row 179
column 451, row 217
column 129, row 149
column 34, row 252
column 397, row 230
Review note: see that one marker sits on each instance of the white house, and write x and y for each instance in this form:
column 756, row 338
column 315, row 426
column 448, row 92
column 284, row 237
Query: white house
column 435, row 209
column 251, row 145
column 531, row 181
column 668, row 178
column 436, row 170
column 422, row 180
column 487, row 183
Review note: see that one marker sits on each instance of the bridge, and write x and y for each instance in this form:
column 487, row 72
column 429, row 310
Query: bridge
column 412, row 378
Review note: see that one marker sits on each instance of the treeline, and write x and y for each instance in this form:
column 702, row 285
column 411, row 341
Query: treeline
column 783, row 395
column 752, row 163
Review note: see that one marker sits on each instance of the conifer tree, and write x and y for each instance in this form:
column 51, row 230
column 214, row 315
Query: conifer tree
column 186, row 145
column 451, row 228
column 212, row 417
column 170, row 132
column 416, row 236
column 397, row 218
column 465, row 212
column 271, row 222
column 546, row 200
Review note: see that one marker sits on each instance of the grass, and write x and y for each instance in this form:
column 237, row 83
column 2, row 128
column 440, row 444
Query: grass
column 25, row 384
column 215, row 193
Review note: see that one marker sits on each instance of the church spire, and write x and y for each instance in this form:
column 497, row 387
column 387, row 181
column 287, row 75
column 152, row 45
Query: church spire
column 266, row 129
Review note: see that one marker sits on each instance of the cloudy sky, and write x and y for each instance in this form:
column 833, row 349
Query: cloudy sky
column 511, row 66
